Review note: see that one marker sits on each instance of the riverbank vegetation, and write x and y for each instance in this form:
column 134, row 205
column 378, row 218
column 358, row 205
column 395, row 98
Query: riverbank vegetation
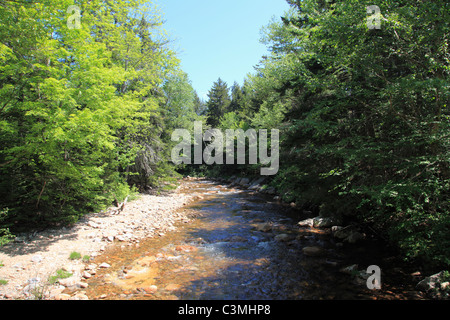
column 361, row 102
column 87, row 107
column 363, row 116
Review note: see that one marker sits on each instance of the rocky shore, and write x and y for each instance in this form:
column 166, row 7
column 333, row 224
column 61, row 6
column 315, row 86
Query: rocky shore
column 27, row 264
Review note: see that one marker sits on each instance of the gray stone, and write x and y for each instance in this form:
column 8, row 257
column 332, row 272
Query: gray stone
column 68, row 282
column 282, row 237
column 354, row 237
column 445, row 285
column 321, row 222
column 37, row 258
column 257, row 183
column 79, row 296
column 347, row 234
column 313, row 251
column 430, row 282
column 264, row 227
column 306, row 223
column 93, row 224
column 350, row 269
column 244, row 181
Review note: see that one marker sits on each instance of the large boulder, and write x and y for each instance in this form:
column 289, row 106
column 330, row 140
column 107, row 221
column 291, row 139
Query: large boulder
column 244, row 182
column 430, row 282
column 326, row 222
column 257, row 183
column 306, row 223
column 347, row 234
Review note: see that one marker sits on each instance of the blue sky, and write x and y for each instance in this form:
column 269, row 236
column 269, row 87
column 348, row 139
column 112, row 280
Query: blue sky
column 218, row 38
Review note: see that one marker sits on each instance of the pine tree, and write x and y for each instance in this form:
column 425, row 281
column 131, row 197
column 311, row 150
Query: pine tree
column 199, row 105
column 218, row 103
column 237, row 98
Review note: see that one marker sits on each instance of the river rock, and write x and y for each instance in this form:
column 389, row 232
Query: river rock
column 79, row 296
column 186, row 248
column 68, row 282
column 271, row 190
column 237, row 239
column 282, row 237
column 306, row 223
column 244, row 182
column 37, row 258
column 256, row 183
column 104, row 265
column 172, row 287
column 347, row 234
column 430, row 282
column 151, row 289
column 94, row 225
column 322, row 222
column 264, row 227
column 354, row 237
column 313, row 251
column 349, row 269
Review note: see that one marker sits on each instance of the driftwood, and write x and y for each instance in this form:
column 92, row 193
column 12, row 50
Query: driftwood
column 120, row 207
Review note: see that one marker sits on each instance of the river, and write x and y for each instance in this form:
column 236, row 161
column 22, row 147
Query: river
column 241, row 245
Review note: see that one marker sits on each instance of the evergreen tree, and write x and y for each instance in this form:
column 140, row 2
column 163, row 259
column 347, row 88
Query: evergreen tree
column 366, row 115
column 237, row 98
column 199, row 105
column 218, row 102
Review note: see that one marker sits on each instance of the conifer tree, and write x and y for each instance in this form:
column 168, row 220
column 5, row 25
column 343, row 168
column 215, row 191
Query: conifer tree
column 218, row 102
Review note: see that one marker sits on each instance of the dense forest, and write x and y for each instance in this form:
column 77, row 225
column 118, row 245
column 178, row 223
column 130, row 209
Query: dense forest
column 360, row 99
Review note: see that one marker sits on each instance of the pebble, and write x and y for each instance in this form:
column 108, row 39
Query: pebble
column 104, row 265
column 151, row 289
column 282, row 237
column 313, row 251
column 172, row 287
column 37, row 258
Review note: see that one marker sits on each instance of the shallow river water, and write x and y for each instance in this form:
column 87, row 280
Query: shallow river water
column 241, row 245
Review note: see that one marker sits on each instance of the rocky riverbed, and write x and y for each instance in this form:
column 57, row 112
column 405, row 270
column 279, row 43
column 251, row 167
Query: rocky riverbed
column 82, row 261
column 27, row 264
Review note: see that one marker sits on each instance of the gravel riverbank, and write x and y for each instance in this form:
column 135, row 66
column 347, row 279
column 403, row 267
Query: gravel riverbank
column 27, row 263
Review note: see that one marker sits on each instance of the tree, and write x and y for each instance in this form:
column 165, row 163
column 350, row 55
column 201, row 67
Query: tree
column 199, row 105
column 366, row 115
column 237, row 98
column 218, row 102
column 80, row 107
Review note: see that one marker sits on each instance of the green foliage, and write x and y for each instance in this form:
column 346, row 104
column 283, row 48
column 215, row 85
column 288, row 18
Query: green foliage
column 82, row 114
column 75, row 255
column 5, row 234
column 60, row 274
column 218, row 102
column 366, row 128
column 363, row 115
